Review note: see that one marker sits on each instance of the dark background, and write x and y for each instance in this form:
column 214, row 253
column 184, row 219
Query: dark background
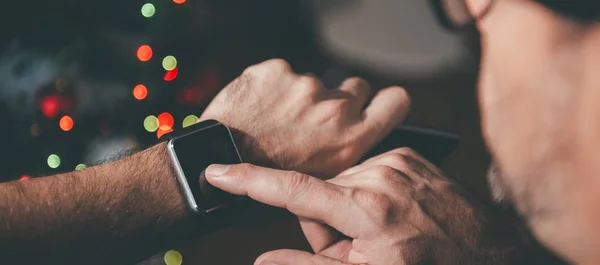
column 84, row 52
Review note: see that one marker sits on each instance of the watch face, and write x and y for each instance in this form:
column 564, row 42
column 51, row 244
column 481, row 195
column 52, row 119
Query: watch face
column 197, row 151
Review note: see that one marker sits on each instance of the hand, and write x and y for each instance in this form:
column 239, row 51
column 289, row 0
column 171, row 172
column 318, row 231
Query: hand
column 395, row 208
column 291, row 121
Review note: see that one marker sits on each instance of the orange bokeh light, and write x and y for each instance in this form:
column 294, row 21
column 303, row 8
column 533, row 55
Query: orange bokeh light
column 66, row 123
column 179, row 1
column 144, row 53
column 162, row 130
column 140, row 92
column 171, row 75
column 165, row 119
column 24, row 177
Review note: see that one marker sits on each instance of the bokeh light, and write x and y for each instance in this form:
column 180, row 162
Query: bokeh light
column 80, row 167
column 144, row 53
column 166, row 119
column 24, row 177
column 190, row 120
column 151, row 123
column 53, row 161
column 66, row 123
column 169, row 62
column 173, row 257
column 148, row 10
column 162, row 130
column 50, row 106
column 179, row 1
column 171, row 75
column 140, row 92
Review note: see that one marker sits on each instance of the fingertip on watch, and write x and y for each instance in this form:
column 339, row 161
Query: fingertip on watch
column 217, row 170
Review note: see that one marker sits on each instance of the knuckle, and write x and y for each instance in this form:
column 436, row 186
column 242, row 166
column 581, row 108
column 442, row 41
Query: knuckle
column 406, row 151
column 243, row 169
column 296, row 183
column 395, row 159
column 309, row 84
column 384, row 173
column 278, row 64
column 339, row 107
column 347, row 154
column 378, row 207
column 335, row 112
column 267, row 67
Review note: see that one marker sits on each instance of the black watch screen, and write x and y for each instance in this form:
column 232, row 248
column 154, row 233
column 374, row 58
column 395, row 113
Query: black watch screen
column 207, row 143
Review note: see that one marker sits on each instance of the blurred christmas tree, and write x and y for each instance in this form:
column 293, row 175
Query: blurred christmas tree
column 80, row 80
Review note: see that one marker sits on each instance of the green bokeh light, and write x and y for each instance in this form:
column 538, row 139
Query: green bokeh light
column 151, row 123
column 173, row 257
column 148, row 10
column 190, row 120
column 169, row 63
column 53, row 161
column 80, row 167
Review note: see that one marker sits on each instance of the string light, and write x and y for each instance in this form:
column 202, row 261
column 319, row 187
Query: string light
column 173, row 257
column 24, row 177
column 151, row 123
column 148, row 10
column 169, row 62
column 171, row 75
column 190, row 120
column 66, row 123
column 140, row 92
column 144, row 53
column 53, row 161
column 80, row 167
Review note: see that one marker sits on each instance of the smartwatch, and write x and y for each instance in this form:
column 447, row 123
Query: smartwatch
column 191, row 152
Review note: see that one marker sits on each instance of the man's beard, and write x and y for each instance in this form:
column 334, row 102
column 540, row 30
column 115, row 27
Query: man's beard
column 500, row 190
column 529, row 201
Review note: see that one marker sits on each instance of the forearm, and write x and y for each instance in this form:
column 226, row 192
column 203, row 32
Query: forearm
column 115, row 213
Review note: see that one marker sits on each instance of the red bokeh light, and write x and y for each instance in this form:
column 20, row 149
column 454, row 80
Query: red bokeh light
column 165, row 119
column 50, row 106
column 179, row 1
column 24, row 177
column 66, row 123
column 171, row 75
column 144, row 53
column 140, row 92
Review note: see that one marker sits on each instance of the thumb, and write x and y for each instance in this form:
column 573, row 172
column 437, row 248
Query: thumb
column 294, row 257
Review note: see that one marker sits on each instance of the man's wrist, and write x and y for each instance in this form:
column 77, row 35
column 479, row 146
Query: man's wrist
column 250, row 150
column 183, row 224
column 166, row 178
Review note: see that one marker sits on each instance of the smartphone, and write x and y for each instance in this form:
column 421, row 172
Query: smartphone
column 202, row 145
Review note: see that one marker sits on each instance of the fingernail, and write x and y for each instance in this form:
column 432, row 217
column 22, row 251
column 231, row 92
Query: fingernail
column 217, row 170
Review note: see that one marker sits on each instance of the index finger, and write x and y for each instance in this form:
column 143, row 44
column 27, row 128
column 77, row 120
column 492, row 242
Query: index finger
column 301, row 194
